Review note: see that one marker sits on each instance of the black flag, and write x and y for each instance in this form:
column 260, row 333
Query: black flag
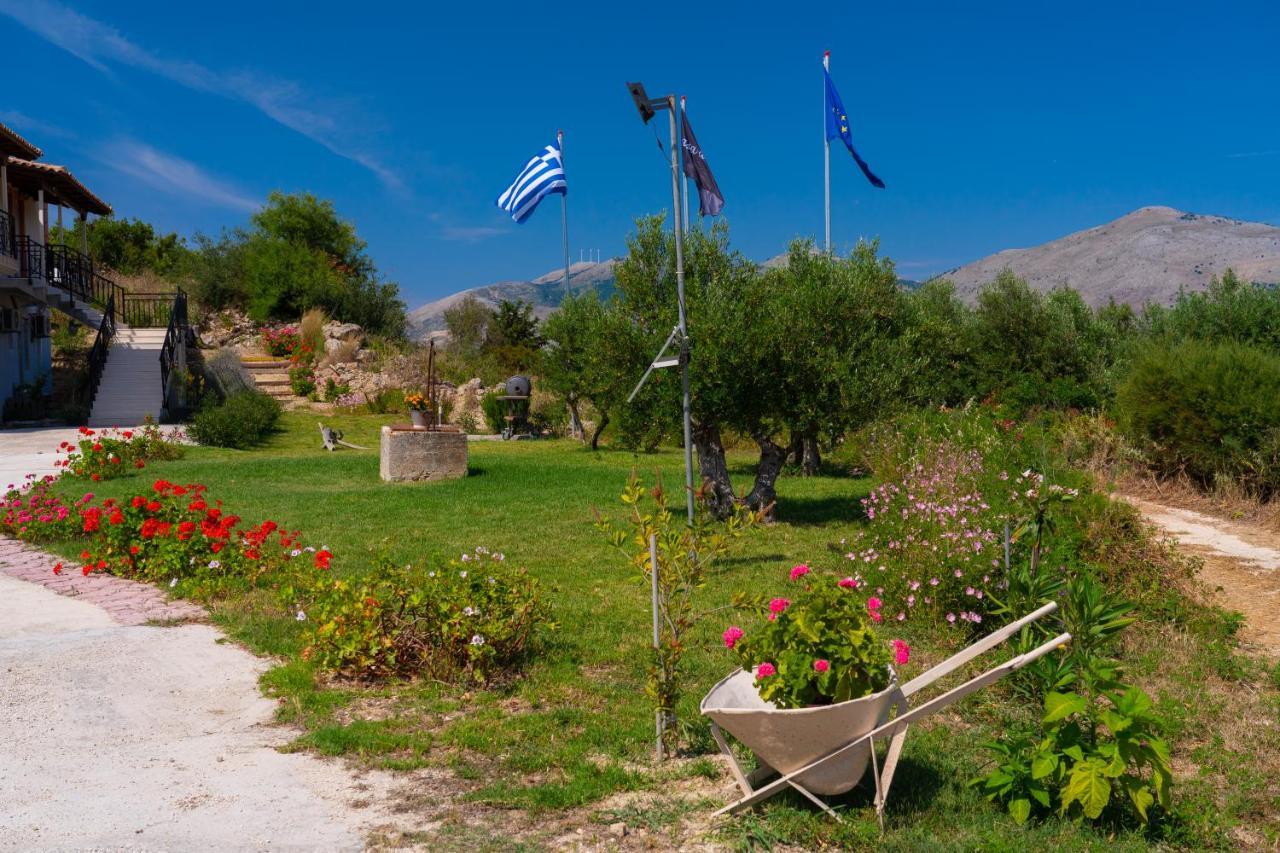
column 710, row 201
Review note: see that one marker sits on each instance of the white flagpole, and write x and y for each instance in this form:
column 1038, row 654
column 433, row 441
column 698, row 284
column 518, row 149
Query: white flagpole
column 564, row 211
column 683, row 177
column 826, row 151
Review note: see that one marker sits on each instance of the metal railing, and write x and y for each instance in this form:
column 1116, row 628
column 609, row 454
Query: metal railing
column 7, row 246
column 174, row 337
column 149, row 310
column 30, row 255
column 101, row 347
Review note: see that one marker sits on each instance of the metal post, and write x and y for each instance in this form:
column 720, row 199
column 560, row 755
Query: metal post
column 657, row 630
column 564, row 212
column 826, row 152
column 684, row 329
column 684, row 179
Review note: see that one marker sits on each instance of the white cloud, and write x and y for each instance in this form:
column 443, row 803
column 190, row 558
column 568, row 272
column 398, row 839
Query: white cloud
column 100, row 45
column 171, row 174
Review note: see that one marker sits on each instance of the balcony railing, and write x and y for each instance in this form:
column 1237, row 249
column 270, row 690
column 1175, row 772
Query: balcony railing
column 74, row 273
column 30, row 255
column 7, row 245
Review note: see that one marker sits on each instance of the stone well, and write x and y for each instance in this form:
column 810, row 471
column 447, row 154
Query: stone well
column 410, row 454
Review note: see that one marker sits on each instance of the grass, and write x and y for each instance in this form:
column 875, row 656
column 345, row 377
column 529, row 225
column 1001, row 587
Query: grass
column 574, row 735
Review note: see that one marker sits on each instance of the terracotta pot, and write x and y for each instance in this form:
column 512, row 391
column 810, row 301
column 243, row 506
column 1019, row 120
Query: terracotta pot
column 419, row 419
column 788, row 739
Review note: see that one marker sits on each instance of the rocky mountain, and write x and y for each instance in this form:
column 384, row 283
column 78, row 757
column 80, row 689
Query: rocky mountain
column 544, row 293
column 1146, row 256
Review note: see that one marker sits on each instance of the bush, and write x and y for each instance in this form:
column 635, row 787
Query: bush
column 494, row 411
column 243, row 420
column 1211, row 411
column 301, row 380
column 472, row 621
column 282, row 342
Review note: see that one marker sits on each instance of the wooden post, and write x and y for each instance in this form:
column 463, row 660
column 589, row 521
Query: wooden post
column 4, row 186
column 42, row 211
column 61, row 233
column 84, row 234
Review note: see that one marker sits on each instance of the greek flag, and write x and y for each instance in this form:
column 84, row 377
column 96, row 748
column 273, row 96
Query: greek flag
column 542, row 175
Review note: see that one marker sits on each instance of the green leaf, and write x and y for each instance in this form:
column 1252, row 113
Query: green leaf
column 1116, row 722
column 1041, row 796
column 1059, row 706
column 1139, row 795
column 1089, row 787
column 1020, row 809
column 1074, row 751
column 1042, row 765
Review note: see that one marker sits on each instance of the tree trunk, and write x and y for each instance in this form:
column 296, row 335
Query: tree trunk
column 795, row 453
column 811, row 460
column 575, row 420
column 595, row 435
column 763, row 494
column 717, row 488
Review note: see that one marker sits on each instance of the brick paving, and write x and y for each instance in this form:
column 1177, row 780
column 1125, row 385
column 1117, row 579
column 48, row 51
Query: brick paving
column 127, row 602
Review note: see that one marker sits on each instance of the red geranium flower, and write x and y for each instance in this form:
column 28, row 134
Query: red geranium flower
column 322, row 559
column 57, row 570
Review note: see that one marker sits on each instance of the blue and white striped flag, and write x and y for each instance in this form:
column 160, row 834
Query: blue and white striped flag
column 544, row 174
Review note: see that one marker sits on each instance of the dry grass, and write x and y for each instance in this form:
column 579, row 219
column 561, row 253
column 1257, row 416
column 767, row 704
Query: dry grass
column 143, row 283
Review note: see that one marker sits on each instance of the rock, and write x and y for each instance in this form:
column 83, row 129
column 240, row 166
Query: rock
column 227, row 328
column 335, row 331
column 618, row 830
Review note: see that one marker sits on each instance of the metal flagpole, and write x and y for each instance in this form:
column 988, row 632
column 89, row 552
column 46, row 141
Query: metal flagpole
column 826, row 150
column 564, row 211
column 676, row 123
column 684, row 179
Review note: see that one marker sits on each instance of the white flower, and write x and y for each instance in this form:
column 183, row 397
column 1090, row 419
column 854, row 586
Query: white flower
column 309, row 548
column 301, row 617
column 214, row 564
column 470, row 611
column 431, row 574
column 466, row 557
column 499, row 556
column 477, row 640
column 462, row 574
column 296, row 552
column 192, row 561
column 173, row 583
column 492, row 581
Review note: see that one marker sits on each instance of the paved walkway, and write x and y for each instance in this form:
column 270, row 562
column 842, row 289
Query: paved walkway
column 119, row 734
column 126, row 602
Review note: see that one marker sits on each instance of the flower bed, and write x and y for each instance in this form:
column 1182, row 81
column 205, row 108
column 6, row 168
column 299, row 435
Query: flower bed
column 282, row 342
column 472, row 620
column 108, row 453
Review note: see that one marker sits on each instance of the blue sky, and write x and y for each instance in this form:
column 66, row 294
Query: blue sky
column 995, row 125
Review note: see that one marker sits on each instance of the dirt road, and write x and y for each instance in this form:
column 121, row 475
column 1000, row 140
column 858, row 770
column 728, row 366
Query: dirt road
column 1241, row 561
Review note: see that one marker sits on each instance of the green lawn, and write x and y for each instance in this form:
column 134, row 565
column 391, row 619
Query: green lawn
column 576, row 730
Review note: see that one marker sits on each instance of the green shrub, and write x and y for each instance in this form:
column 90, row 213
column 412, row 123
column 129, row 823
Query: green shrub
column 1211, row 411
column 301, row 380
column 244, row 420
column 385, row 402
column 494, row 411
column 470, row 621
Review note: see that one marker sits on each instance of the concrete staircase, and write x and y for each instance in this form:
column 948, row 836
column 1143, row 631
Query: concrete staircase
column 271, row 375
column 130, row 387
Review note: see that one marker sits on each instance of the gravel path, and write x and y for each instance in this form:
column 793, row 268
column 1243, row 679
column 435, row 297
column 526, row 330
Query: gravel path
column 129, row 737
column 1241, row 561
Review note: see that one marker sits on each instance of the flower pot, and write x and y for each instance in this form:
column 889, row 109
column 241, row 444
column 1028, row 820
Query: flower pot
column 788, row 739
column 419, row 419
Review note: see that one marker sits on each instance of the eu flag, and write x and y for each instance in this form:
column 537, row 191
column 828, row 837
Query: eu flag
column 838, row 127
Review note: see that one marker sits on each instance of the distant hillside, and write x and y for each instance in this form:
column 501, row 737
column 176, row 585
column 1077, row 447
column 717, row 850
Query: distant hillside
column 544, row 293
column 1146, row 256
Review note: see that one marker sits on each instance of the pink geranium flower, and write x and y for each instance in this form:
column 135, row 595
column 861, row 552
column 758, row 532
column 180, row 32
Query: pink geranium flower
column 732, row 635
column 799, row 571
column 847, row 583
column 901, row 652
column 778, row 605
column 821, row 665
column 765, row 670
column 873, row 604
